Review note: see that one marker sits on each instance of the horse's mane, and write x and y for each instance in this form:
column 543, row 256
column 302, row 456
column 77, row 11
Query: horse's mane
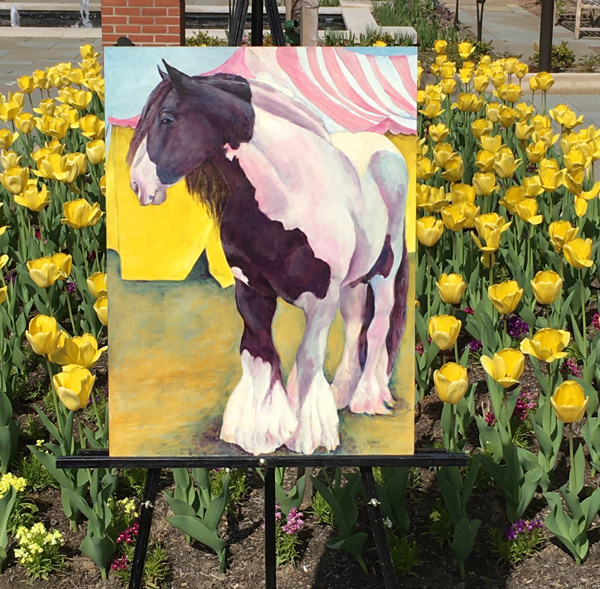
column 148, row 115
column 207, row 184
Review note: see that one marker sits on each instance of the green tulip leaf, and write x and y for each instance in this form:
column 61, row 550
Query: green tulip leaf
column 99, row 549
column 352, row 544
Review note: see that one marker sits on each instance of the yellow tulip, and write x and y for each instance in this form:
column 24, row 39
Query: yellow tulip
column 55, row 127
column 440, row 46
column 15, row 179
column 64, row 263
column 80, row 351
column 9, row 159
column 480, row 83
column 536, row 151
column 485, row 161
column 524, row 111
column 543, row 80
column 32, row 198
column 507, row 115
column 438, row 132
column 547, row 344
column 523, row 130
column 492, row 112
column 506, row 165
column 3, row 293
column 9, row 110
column 481, row 127
column 87, row 52
column 512, row 197
column 442, row 152
column 578, row 253
column 551, row 179
column 102, row 184
column 46, row 107
column 465, row 49
column 546, row 286
column 560, row 233
column 565, row 117
column 447, row 69
column 91, row 127
column 489, row 229
column 454, row 216
column 432, row 109
column 444, row 330
column 527, row 210
column 506, row 367
column 463, row 193
column 429, row 231
column 97, row 281
column 425, row 168
column 470, row 212
column 484, row 184
column 455, row 168
column 43, row 334
column 3, row 260
column 498, row 78
column 80, row 213
column 432, row 199
column 532, row 186
column 101, row 308
column 465, row 74
column 505, row 296
column 451, row 288
column 79, row 99
column 492, row 144
column 61, row 168
column 569, row 401
column 44, row 271
column 74, row 387
column 25, row 122
column 448, row 86
column 6, row 138
column 26, row 84
column 451, row 382
column 94, row 151
column 521, row 70
column 509, row 92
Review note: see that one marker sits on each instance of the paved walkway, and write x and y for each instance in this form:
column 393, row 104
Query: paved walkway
column 506, row 24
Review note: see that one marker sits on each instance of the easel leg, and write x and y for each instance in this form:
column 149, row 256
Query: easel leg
column 383, row 548
column 270, row 548
column 141, row 545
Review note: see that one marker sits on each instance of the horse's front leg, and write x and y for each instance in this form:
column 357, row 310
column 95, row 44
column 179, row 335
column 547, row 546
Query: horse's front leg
column 257, row 416
column 317, row 414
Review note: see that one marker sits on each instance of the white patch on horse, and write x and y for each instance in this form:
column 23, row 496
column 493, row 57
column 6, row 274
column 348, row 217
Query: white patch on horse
column 239, row 275
column 308, row 389
column 257, row 416
column 144, row 178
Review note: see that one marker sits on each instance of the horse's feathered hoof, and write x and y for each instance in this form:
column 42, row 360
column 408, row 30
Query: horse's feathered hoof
column 371, row 398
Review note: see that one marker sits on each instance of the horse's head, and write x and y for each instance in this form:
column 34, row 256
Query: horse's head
column 185, row 122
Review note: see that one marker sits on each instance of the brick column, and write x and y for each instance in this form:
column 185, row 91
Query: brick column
column 144, row 22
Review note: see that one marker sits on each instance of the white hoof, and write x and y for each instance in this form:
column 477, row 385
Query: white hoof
column 343, row 387
column 371, row 398
column 258, row 417
column 318, row 421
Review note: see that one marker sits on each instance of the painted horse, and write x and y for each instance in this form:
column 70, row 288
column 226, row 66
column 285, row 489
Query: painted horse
column 313, row 218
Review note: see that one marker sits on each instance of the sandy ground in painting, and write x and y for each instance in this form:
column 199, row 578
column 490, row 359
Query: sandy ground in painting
column 174, row 360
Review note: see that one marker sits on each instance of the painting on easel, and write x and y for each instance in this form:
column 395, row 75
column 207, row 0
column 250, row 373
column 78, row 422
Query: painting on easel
column 260, row 206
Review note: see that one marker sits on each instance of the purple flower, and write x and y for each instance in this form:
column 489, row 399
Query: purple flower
column 571, row 368
column 474, row 345
column 419, row 348
column 71, row 287
column 469, row 311
column 516, row 327
column 522, row 526
column 294, row 522
column 526, row 403
column 91, row 257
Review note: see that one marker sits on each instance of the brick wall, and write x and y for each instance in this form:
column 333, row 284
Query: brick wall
column 144, row 22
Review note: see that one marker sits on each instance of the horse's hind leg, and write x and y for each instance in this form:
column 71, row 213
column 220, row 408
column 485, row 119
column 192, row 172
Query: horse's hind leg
column 258, row 416
column 353, row 303
column 317, row 414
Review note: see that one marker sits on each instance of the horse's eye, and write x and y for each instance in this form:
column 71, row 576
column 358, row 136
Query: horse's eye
column 165, row 120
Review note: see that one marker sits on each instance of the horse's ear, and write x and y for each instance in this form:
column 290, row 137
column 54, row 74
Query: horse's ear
column 181, row 82
column 163, row 75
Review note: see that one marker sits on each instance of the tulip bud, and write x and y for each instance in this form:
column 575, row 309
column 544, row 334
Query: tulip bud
column 43, row 334
column 74, row 387
column 546, row 286
column 451, row 382
column 451, row 288
column 578, row 253
column 429, row 230
column 569, row 402
column 444, row 330
column 505, row 296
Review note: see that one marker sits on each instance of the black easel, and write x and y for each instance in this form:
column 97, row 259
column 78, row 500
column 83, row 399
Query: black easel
column 238, row 20
column 101, row 459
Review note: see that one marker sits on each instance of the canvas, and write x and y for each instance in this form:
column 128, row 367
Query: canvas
column 260, row 214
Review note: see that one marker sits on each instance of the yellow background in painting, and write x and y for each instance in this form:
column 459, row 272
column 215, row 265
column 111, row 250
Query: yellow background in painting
column 157, row 243
column 175, row 342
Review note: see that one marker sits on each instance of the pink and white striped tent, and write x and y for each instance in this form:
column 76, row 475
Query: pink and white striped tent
column 350, row 89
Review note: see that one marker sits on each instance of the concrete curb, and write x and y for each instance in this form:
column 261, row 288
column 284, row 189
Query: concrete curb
column 50, row 33
column 569, row 83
